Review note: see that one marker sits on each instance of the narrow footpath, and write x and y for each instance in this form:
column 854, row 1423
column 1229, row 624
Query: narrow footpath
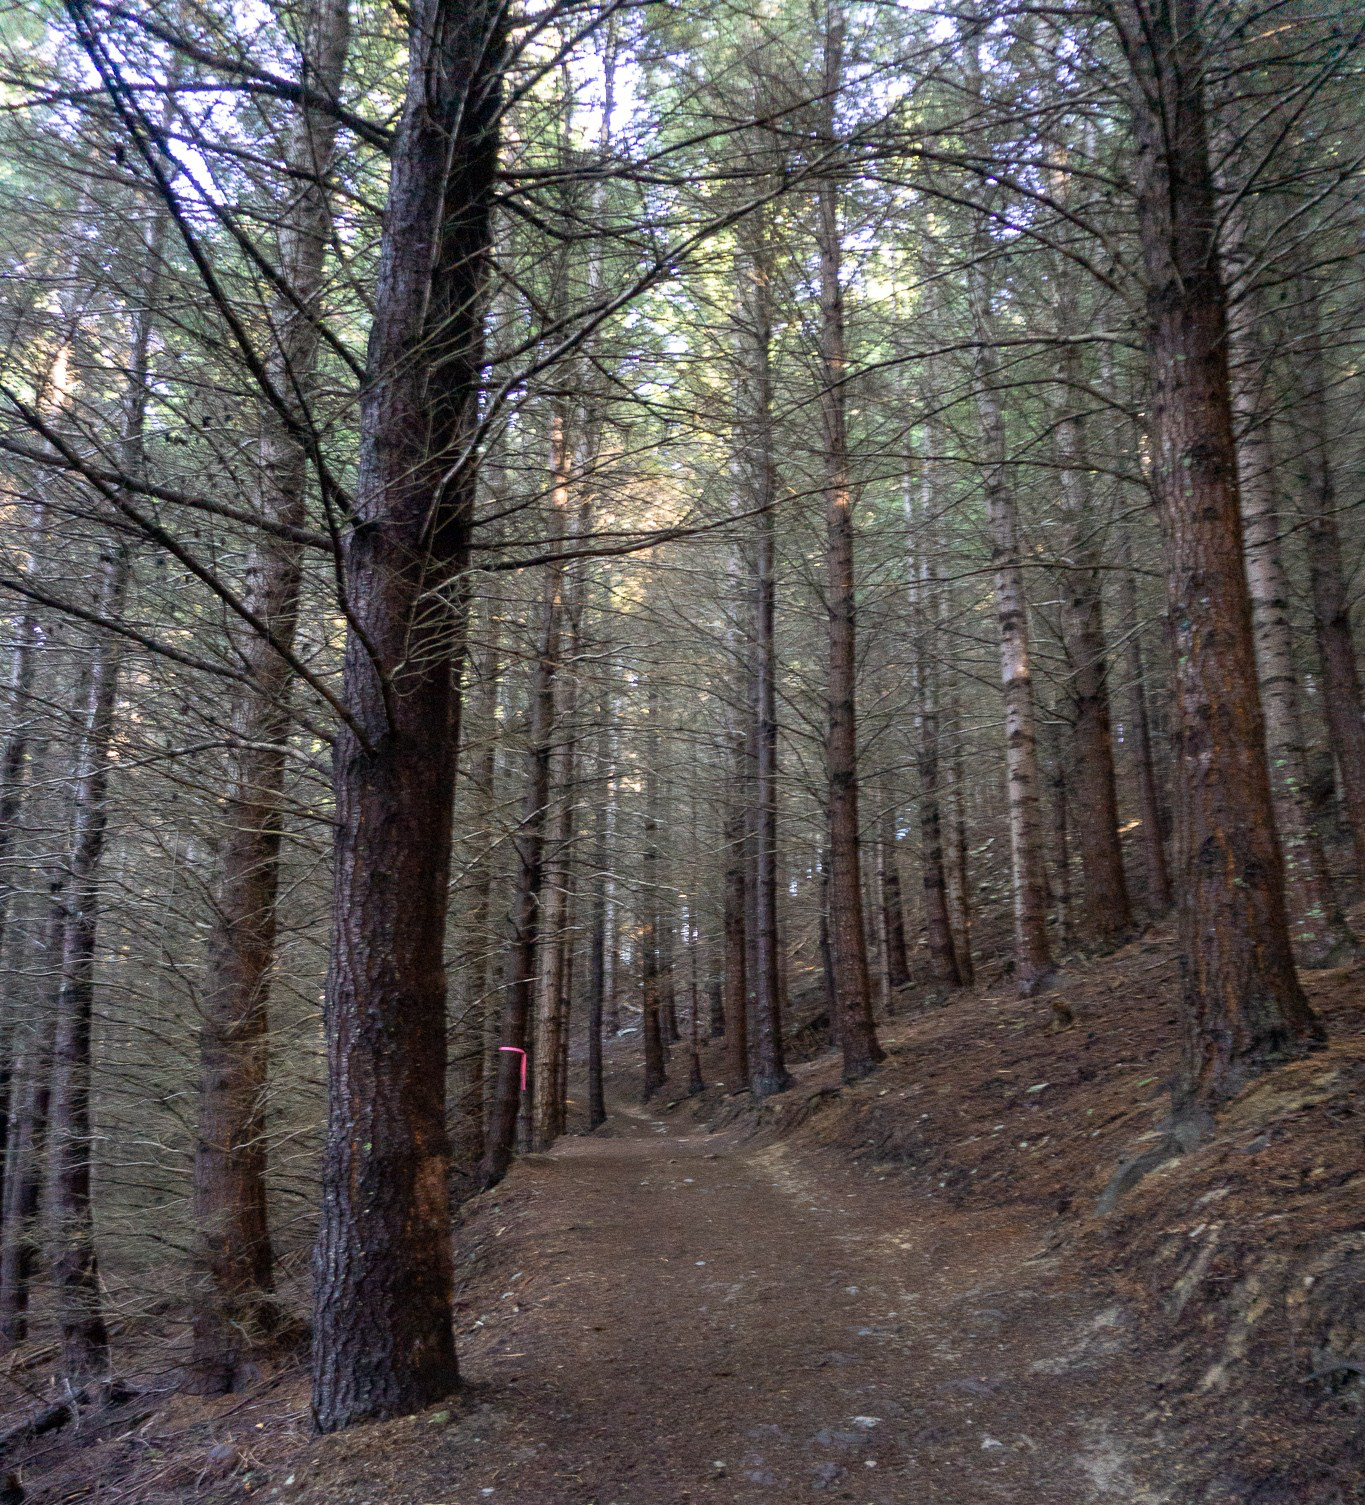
column 686, row 1318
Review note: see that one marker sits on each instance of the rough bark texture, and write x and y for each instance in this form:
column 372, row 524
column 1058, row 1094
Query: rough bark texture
column 233, row 1275
column 1108, row 915
column 1317, row 927
column 1242, row 1007
column 1327, row 575
column 382, row 1337
column 848, row 937
column 1032, row 953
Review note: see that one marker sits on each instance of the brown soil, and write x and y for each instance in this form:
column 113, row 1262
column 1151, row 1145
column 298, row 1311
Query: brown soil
column 892, row 1292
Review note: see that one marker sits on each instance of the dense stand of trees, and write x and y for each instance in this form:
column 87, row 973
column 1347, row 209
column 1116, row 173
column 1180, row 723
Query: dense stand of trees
column 698, row 518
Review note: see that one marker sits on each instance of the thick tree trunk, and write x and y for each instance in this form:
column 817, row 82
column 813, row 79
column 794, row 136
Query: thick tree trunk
column 232, row 1309
column 1318, row 930
column 1242, row 1007
column 382, row 1337
column 1345, row 710
column 848, row 937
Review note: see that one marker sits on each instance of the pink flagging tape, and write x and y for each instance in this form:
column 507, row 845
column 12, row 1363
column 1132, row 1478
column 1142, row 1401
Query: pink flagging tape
column 516, row 1050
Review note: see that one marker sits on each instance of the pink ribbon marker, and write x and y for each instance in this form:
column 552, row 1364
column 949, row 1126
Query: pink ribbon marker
column 516, row 1050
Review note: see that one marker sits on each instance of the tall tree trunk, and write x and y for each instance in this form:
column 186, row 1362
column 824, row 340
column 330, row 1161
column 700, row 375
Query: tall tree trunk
column 1242, row 1007
column 1326, row 573
column 959, row 848
column 1316, row 924
column 383, row 1267
column 547, row 1103
column 1108, row 915
column 469, row 1045
column 651, row 1022
column 25, row 1138
column 925, row 617
column 770, row 1073
column 848, row 937
column 1139, row 734
column 232, row 1280
column 69, row 1212
column 893, row 908
column 597, row 984
column 519, row 987
column 1032, row 954
column 1028, row 872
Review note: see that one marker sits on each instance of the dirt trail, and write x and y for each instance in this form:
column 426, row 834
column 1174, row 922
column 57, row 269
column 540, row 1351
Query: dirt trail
column 692, row 1319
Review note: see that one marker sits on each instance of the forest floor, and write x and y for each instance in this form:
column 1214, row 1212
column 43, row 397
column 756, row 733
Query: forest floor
column 897, row 1291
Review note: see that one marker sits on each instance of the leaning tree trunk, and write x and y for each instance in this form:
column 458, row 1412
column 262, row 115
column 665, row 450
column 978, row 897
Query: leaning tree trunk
column 848, row 935
column 1326, row 573
column 383, row 1266
column 1242, row 1007
column 231, row 1288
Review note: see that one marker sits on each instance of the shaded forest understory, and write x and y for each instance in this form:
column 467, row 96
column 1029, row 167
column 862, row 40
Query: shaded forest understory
column 699, row 1302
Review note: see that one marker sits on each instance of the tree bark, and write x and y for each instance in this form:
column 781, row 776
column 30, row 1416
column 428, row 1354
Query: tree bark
column 520, row 985
column 1139, row 735
column 848, row 937
column 651, row 1023
column 233, row 1280
column 1108, row 914
column 1316, row 925
column 925, row 618
column 1242, row 1007
column 1032, row 953
column 383, row 1266
column 893, row 908
column 1345, row 710
column 471, row 1032
column 769, row 1073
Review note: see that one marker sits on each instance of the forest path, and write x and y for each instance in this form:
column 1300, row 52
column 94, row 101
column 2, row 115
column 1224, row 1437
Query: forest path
column 688, row 1318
